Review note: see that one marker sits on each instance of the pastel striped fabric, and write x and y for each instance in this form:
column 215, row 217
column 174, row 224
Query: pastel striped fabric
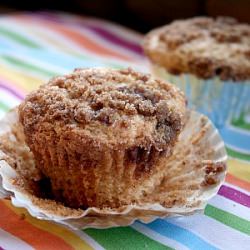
column 37, row 46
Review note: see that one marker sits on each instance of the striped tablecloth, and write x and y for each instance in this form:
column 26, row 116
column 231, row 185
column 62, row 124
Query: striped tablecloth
column 34, row 47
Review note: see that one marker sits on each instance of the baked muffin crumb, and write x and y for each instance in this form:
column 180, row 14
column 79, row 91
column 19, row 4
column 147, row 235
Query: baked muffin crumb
column 89, row 125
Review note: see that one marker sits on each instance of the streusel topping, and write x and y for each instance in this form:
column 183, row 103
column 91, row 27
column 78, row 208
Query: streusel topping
column 202, row 46
column 106, row 104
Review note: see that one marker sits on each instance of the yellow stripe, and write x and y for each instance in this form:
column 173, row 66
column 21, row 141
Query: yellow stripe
column 24, row 82
column 68, row 236
column 239, row 169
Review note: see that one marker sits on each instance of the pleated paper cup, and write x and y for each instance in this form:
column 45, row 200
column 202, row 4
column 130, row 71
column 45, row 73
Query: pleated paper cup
column 193, row 175
column 221, row 101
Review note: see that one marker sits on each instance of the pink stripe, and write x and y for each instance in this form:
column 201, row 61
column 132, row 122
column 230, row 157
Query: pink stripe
column 104, row 33
column 235, row 195
column 12, row 91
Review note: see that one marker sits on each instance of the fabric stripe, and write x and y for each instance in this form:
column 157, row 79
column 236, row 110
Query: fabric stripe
column 27, row 66
column 23, row 83
column 228, row 219
column 94, row 244
column 26, row 231
column 100, row 30
column 21, row 39
column 213, row 231
column 238, row 155
column 236, row 137
column 179, row 234
column 158, row 237
column 123, row 238
column 239, row 169
column 3, row 106
column 230, row 206
column 238, row 182
column 235, row 195
column 9, row 241
column 53, row 229
column 112, row 33
column 8, row 99
column 56, row 40
column 12, row 91
column 80, row 39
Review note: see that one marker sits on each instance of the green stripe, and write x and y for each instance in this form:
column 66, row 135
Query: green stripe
column 3, row 106
column 228, row 219
column 234, row 154
column 19, row 38
column 241, row 123
column 27, row 66
column 123, row 238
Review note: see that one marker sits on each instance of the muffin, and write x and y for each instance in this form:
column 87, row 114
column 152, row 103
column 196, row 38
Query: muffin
column 100, row 137
column 207, row 58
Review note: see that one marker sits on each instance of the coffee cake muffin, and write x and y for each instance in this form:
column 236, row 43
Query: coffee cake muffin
column 100, row 137
column 209, row 59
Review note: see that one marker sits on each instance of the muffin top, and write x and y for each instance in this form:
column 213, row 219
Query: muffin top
column 202, row 46
column 113, row 108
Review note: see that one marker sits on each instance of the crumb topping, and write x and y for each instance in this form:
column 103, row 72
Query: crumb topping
column 109, row 101
column 202, row 46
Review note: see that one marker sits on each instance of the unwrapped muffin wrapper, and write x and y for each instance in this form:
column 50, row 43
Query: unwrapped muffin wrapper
column 220, row 100
column 199, row 137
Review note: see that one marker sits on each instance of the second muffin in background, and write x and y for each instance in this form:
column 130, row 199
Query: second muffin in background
column 101, row 136
column 207, row 58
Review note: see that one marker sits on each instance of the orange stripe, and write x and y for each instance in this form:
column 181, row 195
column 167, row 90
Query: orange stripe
column 79, row 38
column 238, row 182
column 18, row 226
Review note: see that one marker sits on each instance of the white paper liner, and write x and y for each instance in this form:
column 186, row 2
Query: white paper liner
column 204, row 147
column 220, row 100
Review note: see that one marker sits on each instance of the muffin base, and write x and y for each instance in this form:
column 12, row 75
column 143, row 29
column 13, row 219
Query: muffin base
column 192, row 177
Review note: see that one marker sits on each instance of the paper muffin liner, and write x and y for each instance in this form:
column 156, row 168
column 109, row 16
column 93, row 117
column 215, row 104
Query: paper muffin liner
column 193, row 175
column 220, row 100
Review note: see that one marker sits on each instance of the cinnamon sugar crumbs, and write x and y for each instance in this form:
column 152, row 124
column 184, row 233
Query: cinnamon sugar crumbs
column 108, row 97
column 202, row 46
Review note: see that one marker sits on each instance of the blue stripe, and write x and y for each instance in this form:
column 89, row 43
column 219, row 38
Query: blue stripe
column 239, row 139
column 55, row 57
column 49, row 57
column 179, row 234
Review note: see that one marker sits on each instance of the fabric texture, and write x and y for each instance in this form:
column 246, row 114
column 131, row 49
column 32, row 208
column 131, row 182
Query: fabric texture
column 36, row 46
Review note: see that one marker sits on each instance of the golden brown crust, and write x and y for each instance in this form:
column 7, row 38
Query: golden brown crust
column 118, row 105
column 91, row 124
column 202, row 46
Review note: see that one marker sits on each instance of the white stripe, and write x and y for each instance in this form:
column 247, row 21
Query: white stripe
column 237, row 149
column 237, row 129
column 2, row 113
column 8, row 241
column 37, row 63
column 240, row 160
column 8, row 98
column 214, row 232
column 85, row 238
column 230, row 206
column 156, row 236
column 21, row 71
